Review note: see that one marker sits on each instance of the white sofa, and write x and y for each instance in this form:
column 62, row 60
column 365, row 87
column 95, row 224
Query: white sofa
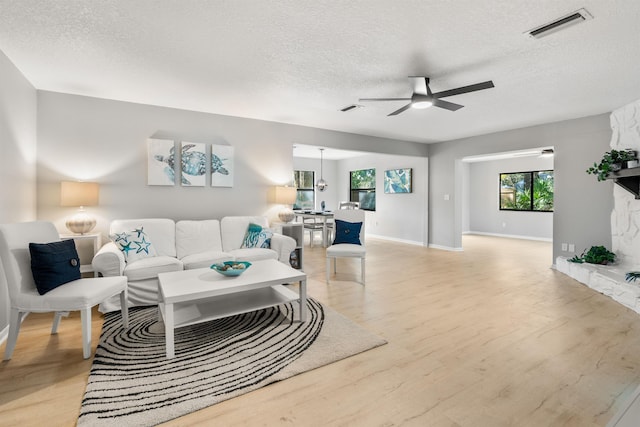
column 178, row 246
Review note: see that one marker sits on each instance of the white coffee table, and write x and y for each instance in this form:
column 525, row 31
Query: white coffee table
column 195, row 296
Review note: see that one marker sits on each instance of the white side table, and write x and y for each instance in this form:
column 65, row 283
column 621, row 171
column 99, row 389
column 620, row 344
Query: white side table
column 295, row 231
column 97, row 244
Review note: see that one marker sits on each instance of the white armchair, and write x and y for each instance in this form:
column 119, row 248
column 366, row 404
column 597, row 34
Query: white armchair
column 80, row 294
column 347, row 250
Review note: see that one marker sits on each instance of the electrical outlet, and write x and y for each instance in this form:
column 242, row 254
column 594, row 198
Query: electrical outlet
column 504, row 225
column 564, row 247
column 572, row 247
column 446, row 197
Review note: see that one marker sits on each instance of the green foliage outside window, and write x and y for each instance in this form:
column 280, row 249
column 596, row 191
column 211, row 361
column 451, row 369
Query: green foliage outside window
column 527, row 191
column 305, row 197
column 363, row 188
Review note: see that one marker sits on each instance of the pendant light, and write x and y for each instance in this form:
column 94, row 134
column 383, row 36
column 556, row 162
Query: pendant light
column 321, row 185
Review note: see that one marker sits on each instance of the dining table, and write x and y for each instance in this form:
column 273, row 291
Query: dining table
column 318, row 216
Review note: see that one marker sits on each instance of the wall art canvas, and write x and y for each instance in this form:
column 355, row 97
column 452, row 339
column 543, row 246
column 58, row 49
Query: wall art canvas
column 221, row 166
column 161, row 159
column 193, row 162
column 397, row 181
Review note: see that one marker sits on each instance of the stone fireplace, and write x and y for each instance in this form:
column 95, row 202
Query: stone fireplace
column 625, row 218
column 625, row 225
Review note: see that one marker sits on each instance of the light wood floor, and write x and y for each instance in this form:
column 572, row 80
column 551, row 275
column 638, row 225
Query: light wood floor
column 486, row 337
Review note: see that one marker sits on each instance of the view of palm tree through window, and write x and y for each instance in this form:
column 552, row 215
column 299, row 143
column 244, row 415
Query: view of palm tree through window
column 527, row 191
column 363, row 188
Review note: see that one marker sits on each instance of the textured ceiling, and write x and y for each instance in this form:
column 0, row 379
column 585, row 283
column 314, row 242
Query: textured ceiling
column 301, row 61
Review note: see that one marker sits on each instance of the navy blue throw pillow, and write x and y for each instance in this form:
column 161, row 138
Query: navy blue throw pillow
column 347, row 232
column 54, row 264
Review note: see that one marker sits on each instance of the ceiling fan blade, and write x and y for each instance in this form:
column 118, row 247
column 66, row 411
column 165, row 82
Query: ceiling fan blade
column 464, row 89
column 383, row 99
column 405, row 108
column 446, row 105
column 350, row 107
column 420, row 84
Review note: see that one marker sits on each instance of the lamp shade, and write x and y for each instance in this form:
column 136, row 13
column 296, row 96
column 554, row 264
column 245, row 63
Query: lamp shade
column 79, row 193
column 285, row 195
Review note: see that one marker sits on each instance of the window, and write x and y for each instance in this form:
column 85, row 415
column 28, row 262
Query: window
column 363, row 188
column 527, row 191
column 305, row 199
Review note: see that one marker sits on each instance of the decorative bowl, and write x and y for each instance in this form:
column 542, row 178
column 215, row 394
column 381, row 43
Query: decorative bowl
column 230, row 268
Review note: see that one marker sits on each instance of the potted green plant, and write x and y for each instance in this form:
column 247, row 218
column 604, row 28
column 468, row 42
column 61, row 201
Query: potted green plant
column 595, row 255
column 612, row 161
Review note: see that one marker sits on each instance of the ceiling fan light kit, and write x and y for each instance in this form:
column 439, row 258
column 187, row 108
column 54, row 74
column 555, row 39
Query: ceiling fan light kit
column 423, row 97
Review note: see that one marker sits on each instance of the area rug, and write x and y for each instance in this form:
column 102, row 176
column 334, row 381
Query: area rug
column 132, row 383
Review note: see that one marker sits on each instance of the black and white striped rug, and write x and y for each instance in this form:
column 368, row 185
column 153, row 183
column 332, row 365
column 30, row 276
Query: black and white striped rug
column 132, row 383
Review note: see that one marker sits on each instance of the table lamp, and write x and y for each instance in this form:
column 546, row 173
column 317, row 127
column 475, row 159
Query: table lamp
column 286, row 196
column 79, row 194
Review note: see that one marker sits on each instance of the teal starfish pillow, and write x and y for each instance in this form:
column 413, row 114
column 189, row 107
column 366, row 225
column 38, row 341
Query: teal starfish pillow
column 134, row 244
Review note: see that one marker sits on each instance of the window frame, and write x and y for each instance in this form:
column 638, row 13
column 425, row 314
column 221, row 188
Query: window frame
column 303, row 190
column 531, row 189
column 359, row 191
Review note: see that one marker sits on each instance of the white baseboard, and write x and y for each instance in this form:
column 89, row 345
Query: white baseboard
column 510, row 236
column 445, row 248
column 393, row 239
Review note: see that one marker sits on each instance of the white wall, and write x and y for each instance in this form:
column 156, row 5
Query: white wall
column 102, row 140
column 582, row 205
column 330, row 174
column 484, row 211
column 17, row 158
column 400, row 217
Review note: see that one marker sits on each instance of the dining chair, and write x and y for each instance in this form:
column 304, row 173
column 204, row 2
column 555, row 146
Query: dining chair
column 24, row 297
column 312, row 226
column 348, row 240
column 349, row 205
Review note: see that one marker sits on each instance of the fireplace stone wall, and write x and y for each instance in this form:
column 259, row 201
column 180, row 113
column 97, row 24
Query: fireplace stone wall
column 625, row 225
column 625, row 218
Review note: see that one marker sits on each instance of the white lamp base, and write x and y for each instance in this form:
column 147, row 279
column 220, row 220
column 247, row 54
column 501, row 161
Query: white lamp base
column 286, row 215
column 81, row 223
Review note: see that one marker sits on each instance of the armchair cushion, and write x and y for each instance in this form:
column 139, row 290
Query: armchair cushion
column 347, row 232
column 54, row 264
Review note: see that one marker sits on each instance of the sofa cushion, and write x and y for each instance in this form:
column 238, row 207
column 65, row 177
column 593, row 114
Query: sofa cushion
column 205, row 259
column 160, row 231
column 253, row 254
column 148, row 268
column 134, row 244
column 257, row 236
column 233, row 229
column 194, row 237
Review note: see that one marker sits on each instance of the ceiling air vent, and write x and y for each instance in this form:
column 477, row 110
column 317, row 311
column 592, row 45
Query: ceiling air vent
column 576, row 17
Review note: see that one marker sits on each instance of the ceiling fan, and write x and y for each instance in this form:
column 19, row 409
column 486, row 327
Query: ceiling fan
column 422, row 96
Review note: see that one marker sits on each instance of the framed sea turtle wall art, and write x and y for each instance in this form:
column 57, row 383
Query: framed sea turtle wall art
column 161, row 160
column 193, row 162
column 221, row 166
